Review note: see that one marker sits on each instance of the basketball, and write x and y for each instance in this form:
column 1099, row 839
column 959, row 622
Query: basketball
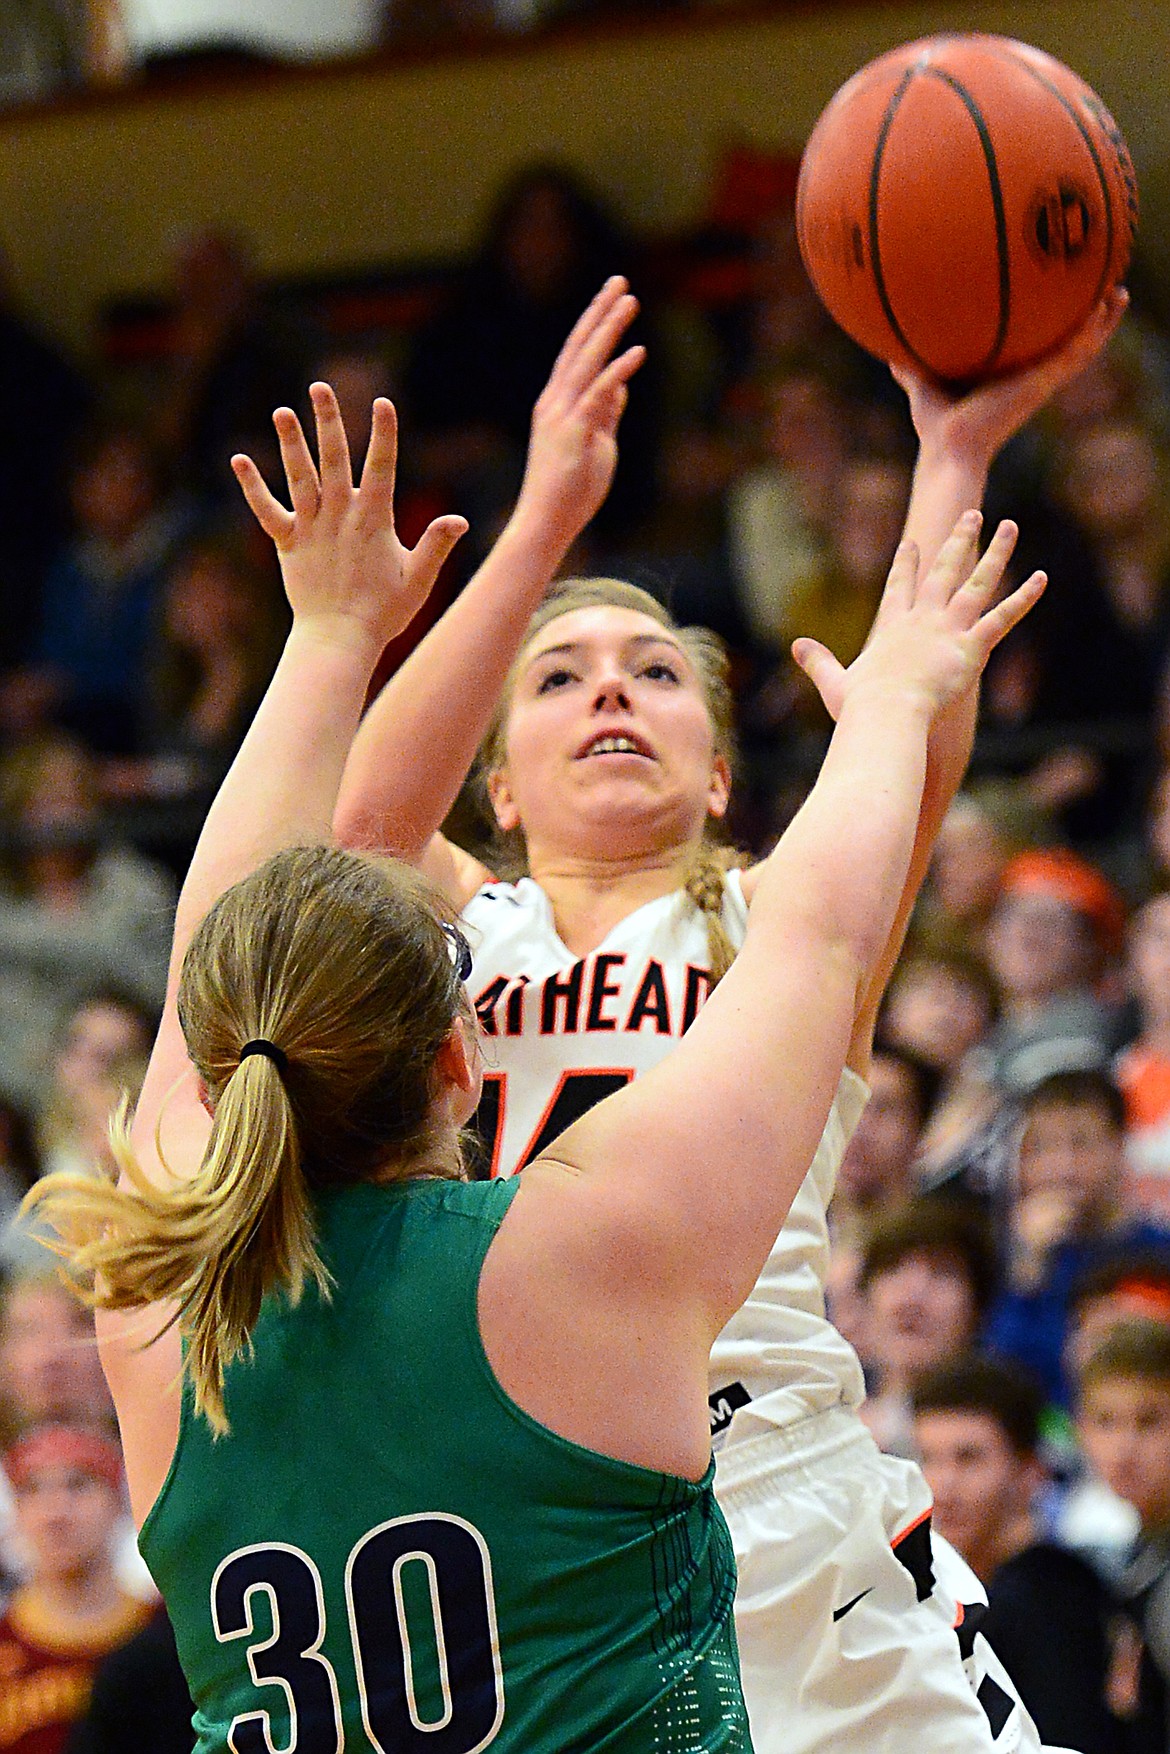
column 964, row 202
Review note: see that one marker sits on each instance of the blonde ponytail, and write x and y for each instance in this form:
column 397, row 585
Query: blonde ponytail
column 240, row 1229
column 343, row 968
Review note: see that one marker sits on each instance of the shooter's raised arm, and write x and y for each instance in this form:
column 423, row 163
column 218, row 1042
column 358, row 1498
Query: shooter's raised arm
column 394, row 796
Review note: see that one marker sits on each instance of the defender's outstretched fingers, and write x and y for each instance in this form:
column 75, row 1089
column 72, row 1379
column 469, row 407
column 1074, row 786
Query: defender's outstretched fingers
column 593, row 353
column 610, row 390
column 594, row 313
column 998, row 621
column 954, row 562
column 275, row 520
column 381, row 465
column 426, row 559
column 974, row 594
column 299, row 469
column 902, row 581
column 332, row 448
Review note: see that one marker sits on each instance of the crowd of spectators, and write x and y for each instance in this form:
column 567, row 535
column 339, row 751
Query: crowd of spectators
column 1001, row 1234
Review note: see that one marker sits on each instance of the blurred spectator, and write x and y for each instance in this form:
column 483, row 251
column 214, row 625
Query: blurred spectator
column 358, row 376
column 1067, row 1216
column 139, row 1700
column 213, row 650
column 478, row 367
column 101, row 1057
column 1124, row 1423
column 779, row 512
column 49, row 1373
column 81, row 913
column 1143, row 1068
column 1054, row 928
column 1132, row 1286
column 49, row 1369
column 877, row 1170
column 779, row 318
column 846, row 1304
column 87, row 665
column 1070, row 692
column 1153, row 857
column 873, row 493
column 977, row 1427
column 237, row 356
column 837, row 601
column 45, row 400
column 941, row 1006
column 1113, row 484
column 70, row 1610
column 928, row 1273
column 43, row 48
column 986, row 826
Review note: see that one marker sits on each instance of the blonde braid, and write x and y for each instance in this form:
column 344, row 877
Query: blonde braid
column 704, row 884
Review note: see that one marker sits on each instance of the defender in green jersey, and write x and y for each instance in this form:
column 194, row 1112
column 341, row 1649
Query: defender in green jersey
column 438, row 1474
column 594, row 1613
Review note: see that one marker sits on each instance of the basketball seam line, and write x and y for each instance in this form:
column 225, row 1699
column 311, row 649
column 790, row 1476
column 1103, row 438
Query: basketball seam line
column 1001, row 235
column 874, row 246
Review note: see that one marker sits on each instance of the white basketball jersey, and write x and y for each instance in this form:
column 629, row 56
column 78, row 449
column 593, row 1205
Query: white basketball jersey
column 561, row 1032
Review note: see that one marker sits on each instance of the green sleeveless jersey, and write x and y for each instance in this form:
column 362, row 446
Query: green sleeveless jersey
column 387, row 1553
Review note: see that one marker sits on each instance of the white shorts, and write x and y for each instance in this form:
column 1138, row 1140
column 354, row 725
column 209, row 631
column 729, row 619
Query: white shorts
column 847, row 1639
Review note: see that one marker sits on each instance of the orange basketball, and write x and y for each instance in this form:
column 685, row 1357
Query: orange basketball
column 963, row 204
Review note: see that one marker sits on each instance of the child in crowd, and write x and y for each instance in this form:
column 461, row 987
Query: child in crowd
column 977, row 1426
column 928, row 1274
column 71, row 1609
column 1085, row 1513
column 1124, row 1423
column 1054, row 928
column 101, row 1054
column 941, row 1006
column 986, row 826
column 50, row 1374
column 1068, row 1214
column 877, row 1170
column 49, row 1368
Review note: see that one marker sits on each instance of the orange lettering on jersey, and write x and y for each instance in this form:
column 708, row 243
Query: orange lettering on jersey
column 651, row 1002
column 556, row 993
column 697, row 989
column 514, row 1010
column 601, row 990
column 485, row 1005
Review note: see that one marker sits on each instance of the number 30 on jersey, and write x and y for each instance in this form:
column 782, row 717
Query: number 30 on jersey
column 422, row 1623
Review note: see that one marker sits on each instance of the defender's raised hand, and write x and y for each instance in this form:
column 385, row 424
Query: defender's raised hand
column 340, row 555
column 572, row 451
column 932, row 636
